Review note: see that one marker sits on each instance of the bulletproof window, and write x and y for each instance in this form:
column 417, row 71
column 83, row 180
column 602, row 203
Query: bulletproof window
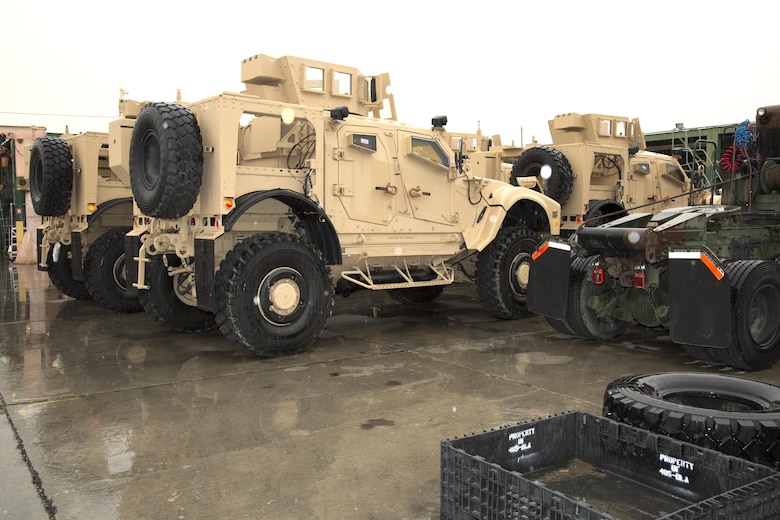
column 620, row 129
column 674, row 171
column 364, row 141
column 430, row 151
column 342, row 83
column 314, row 79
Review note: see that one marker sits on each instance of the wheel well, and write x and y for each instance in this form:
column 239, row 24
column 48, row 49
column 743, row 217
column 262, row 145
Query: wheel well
column 108, row 205
column 318, row 227
column 605, row 207
column 529, row 214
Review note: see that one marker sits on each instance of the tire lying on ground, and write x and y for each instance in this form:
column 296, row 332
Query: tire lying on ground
column 730, row 414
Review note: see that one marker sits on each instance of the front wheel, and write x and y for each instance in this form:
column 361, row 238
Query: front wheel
column 502, row 272
column 170, row 300
column 275, row 294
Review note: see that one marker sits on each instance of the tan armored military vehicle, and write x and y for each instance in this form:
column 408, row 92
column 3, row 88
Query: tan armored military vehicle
column 598, row 165
column 254, row 208
column 87, row 208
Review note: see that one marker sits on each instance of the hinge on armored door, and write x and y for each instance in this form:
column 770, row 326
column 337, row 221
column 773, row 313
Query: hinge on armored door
column 339, row 190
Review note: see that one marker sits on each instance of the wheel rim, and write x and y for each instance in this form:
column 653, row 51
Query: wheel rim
column 36, row 179
column 281, row 296
column 762, row 317
column 519, row 273
column 150, row 174
column 183, row 287
column 118, row 272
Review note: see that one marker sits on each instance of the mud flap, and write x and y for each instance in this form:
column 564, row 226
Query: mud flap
column 204, row 274
column 701, row 294
column 548, row 280
column 76, row 257
column 132, row 247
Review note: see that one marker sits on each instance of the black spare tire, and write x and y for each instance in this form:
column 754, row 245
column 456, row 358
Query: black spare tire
column 51, row 176
column 166, row 160
column 730, row 414
column 560, row 183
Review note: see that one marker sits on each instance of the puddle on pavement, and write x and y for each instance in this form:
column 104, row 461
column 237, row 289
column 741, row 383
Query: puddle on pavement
column 605, row 492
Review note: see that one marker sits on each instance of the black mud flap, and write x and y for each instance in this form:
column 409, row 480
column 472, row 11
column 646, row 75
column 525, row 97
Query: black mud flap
column 548, row 280
column 700, row 292
column 204, row 274
column 76, row 257
column 132, row 248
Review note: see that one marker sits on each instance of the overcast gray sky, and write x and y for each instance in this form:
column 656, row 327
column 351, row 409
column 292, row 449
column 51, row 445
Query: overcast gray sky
column 511, row 65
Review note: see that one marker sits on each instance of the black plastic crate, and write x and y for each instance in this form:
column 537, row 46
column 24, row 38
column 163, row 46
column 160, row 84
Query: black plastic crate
column 538, row 469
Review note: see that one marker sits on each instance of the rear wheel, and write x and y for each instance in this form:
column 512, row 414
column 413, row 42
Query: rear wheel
column 736, row 416
column 274, row 293
column 755, row 307
column 104, row 272
column 61, row 273
column 170, row 300
column 51, row 176
column 574, row 308
column 595, row 303
column 502, row 272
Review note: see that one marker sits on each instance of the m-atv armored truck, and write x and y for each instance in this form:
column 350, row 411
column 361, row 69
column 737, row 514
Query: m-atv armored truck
column 598, row 166
column 708, row 274
column 256, row 207
column 82, row 191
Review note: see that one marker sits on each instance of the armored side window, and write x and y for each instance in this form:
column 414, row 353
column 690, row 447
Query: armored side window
column 430, row 151
column 605, row 127
column 364, row 142
column 643, row 168
column 342, row 83
column 314, row 79
column 674, row 171
column 620, row 129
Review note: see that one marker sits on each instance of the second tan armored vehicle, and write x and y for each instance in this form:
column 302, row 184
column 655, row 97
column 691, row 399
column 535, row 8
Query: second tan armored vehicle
column 598, row 166
column 87, row 208
column 254, row 208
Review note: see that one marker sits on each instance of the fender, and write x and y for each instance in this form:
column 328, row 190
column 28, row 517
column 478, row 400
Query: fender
column 318, row 226
column 500, row 199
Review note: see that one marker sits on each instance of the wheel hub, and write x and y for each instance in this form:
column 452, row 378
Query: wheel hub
column 281, row 295
column 520, row 271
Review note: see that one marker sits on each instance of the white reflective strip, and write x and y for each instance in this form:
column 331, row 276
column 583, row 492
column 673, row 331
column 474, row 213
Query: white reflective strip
column 560, row 245
column 685, row 255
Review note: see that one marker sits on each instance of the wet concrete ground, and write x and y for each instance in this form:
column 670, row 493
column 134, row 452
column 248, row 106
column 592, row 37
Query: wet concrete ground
column 119, row 419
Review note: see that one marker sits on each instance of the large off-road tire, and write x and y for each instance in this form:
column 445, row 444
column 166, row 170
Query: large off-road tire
column 733, row 415
column 51, row 176
column 502, row 272
column 600, row 327
column 61, row 273
column 578, row 272
column 169, row 299
column 572, row 322
column 561, row 181
column 166, row 160
column 416, row 294
column 755, row 318
column 104, row 272
column 274, row 293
